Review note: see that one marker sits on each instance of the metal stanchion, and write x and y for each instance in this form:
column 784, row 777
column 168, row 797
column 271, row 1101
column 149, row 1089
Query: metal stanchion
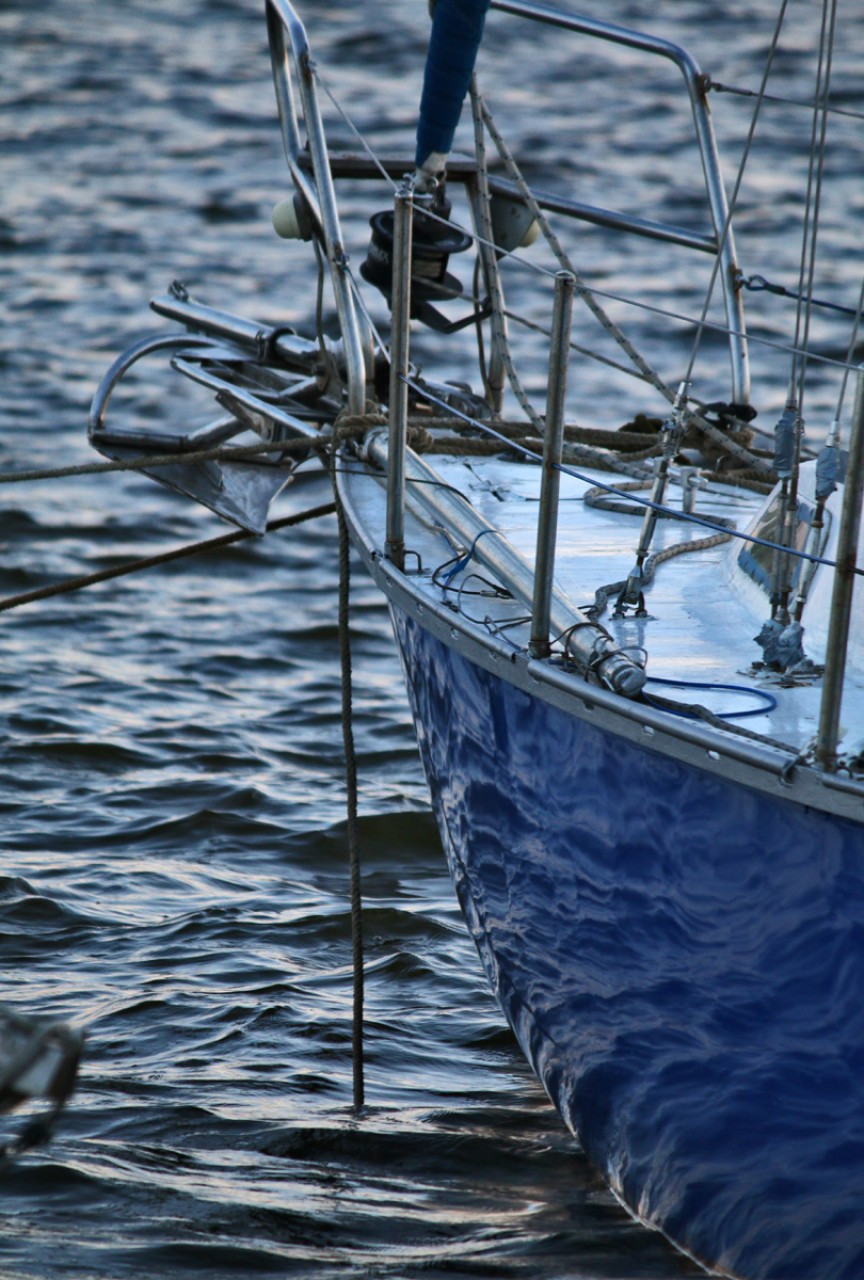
column 547, row 523
column 399, row 343
column 844, row 583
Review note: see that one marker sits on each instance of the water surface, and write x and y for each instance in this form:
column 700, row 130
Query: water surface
column 174, row 874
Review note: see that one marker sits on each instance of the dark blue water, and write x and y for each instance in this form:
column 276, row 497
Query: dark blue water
column 174, row 870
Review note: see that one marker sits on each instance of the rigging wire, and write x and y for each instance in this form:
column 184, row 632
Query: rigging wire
column 790, row 428
column 807, row 104
column 519, row 260
column 357, row 134
column 224, row 453
column 642, row 373
column 812, row 204
column 483, row 117
column 759, row 284
column 853, row 342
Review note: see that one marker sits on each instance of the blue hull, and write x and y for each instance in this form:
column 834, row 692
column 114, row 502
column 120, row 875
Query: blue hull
column 680, row 957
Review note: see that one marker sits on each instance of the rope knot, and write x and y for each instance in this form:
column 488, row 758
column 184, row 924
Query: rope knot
column 352, row 426
column 420, row 439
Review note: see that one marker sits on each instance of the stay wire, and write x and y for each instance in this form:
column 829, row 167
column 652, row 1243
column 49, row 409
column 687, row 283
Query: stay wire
column 813, row 199
column 806, row 104
column 853, row 342
column 434, row 217
column 357, row 134
column 483, row 116
column 642, row 371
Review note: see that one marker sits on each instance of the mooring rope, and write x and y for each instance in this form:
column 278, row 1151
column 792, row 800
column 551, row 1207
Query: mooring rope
column 345, row 428
column 144, row 461
column 164, row 557
column 350, row 794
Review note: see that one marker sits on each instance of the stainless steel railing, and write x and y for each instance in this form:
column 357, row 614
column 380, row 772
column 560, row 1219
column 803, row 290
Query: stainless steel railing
column 695, row 81
column 288, row 44
column 294, row 79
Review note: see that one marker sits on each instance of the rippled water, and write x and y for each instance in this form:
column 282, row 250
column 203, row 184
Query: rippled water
column 174, row 872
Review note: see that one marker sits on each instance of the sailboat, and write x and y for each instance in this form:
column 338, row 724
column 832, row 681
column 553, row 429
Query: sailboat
column 630, row 651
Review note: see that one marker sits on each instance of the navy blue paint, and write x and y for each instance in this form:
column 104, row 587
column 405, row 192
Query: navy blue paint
column 457, row 29
column 681, row 958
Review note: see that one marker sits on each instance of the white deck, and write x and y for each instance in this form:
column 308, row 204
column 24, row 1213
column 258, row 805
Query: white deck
column 703, row 611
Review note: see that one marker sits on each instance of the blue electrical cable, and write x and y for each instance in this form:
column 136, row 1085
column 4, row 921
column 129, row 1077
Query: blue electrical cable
column 769, row 702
